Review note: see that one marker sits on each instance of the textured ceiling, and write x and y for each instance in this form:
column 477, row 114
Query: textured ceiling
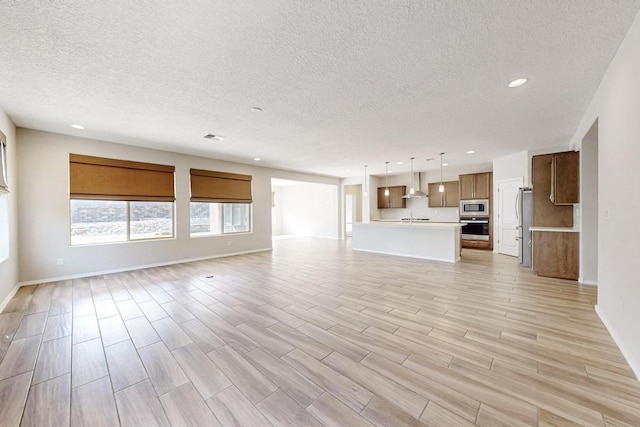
column 341, row 83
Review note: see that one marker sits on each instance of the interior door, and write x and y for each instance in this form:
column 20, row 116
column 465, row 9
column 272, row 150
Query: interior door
column 508, row 223
column 348, row 214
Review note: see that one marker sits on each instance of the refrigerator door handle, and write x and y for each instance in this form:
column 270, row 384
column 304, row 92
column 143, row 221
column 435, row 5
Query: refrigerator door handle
column 518, row 207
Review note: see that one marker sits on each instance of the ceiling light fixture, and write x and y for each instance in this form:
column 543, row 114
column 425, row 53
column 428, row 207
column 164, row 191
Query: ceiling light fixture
column 518, row 82
column 399, row 163
column 441, row 186
column 77, row 126
column 366, row 185
column 256, row 110
column 213, row 136
column 257, row 159
column 386, row 179
column 470, row 152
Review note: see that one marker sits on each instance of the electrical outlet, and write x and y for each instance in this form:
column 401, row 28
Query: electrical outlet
column 60, row 261
column 228, row 243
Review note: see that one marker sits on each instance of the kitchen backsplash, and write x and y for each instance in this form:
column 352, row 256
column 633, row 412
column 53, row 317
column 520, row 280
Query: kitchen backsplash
column 418, row 208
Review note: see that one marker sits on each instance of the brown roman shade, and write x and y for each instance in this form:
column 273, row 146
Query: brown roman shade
column 110, row 179
column 220, row 187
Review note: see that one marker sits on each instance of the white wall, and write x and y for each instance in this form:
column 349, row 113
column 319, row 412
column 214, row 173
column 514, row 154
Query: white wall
column 9, row 224
column 589, row 204
column 43, row 164
column 509, row 167
column 309, row 210
column 616, row 106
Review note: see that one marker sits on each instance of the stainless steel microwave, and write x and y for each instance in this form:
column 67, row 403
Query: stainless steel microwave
column 479, row 207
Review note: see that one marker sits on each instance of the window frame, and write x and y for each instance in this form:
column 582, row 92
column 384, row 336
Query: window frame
column 221, row 232
column 128, row 224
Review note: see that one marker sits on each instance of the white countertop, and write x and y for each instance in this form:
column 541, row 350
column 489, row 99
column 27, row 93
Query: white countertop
column 556, row 229
column 429, row 224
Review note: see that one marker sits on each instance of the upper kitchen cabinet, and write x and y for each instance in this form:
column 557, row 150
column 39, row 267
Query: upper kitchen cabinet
column 475, row 186
column 394, row 199
column 448, row 199
column 565, row 178
column 545, row 176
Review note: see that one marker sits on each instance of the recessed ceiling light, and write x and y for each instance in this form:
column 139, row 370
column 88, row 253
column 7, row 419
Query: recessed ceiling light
column 517, row 82
column 470, row 152
column 213, row 136
column 257, row 159
column 445, row 164
column 256, row 110
column 399, row 163
column 77, row 126
column 348, row 170
column 389, row 171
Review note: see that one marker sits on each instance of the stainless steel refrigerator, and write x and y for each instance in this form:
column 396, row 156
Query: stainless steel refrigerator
column 525, row 218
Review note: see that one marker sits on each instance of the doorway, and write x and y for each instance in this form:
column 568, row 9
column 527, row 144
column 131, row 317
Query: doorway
column 352, row 207
column 508, row 223
column 306, row 209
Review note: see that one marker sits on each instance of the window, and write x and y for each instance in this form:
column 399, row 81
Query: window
column 107, row 221
column 220, row 218
column 4, row 187
column 119, row 200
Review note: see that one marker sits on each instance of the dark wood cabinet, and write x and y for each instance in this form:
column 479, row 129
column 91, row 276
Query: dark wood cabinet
column 555, row 254
column 565, row 178
column 394, row 199
column 448, row 199
column 545, row 212
column 475, row 186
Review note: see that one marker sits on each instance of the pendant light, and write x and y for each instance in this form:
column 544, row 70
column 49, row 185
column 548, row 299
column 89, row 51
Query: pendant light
column 366, row 186
column 441, row 186
column 386, row 179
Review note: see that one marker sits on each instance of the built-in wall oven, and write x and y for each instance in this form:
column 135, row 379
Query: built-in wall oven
column 475, row 228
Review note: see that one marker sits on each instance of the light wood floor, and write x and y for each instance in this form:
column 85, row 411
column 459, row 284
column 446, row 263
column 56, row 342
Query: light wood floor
column 313, row 334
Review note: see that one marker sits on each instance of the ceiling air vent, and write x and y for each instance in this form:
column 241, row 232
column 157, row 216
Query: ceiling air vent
column 212, row 136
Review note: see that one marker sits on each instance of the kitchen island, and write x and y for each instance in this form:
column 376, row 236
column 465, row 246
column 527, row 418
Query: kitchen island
column 438, row 241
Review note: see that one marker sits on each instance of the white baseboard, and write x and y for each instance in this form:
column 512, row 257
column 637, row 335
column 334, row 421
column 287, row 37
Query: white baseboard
column 8, row 298
column 631, row 360
column 138, row 267
column 587, row 282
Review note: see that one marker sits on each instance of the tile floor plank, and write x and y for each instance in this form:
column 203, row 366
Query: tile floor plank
column 244, row 375
column 57, row 327
column 232, row 408
column 333, row 413
column 13, row 396
column 49, row 403
column 349, row 392
column 184, row 406
column 141, row 332
column 125, row 367
column 112, row 330
column 54, row 359
column 32, row 324
column 163, row 369
column 281, row 410
column 172, row 335
column 203, row 373
column 93, row 405
column 20, row 357
column 301, row 389
column 138, row 405
column 88, row 362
